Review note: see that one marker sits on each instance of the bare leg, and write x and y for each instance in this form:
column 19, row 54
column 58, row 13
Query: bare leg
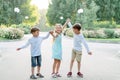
column 38, row 69
column 32, row 70
column 54, row 65
column 79, row 66
column 71, row 65
column 58, row 66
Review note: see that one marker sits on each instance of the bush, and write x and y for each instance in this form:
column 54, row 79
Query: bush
column 11, row 33
column 69, row 33
column 102, row 33
column 109, row 33
column 117, row 34
column 23, row 27
column 104, row 24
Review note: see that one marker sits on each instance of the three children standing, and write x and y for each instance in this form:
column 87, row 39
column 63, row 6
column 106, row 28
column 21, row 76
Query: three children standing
column 36, row 41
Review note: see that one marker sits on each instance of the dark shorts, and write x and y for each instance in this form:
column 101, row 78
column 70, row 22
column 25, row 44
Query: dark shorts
column 36, row 61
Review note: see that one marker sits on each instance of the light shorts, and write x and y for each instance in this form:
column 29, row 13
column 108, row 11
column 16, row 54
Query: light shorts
column 76, row 54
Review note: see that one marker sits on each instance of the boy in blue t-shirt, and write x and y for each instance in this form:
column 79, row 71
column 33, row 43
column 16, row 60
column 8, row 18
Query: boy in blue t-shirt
column 35, row 43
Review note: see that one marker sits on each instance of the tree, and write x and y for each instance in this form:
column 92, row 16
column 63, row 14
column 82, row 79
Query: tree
column 9, row 16
column 61, row 8
column 69, row 9
column 89, row 15
column 109, row 9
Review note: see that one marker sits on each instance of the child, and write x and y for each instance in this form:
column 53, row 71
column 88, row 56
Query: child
column 57, row 49
column 35, row 43
column 77, row 48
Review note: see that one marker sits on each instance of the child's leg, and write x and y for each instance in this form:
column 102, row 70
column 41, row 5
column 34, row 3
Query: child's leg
column 72, row 59
column 33, row 70
column 71, row 65
column 33, row 64
column 79, row 66
column 58, row 66
column 39, row 59
column 54, row 65
column 78, row 58
column 38, row 69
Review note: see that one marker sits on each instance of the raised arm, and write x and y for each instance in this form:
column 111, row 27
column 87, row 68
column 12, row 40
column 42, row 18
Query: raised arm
column 53, row 35
column 48, row 34
column 67, row 21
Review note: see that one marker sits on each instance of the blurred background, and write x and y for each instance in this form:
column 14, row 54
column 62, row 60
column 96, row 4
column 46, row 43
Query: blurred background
column 100, row 19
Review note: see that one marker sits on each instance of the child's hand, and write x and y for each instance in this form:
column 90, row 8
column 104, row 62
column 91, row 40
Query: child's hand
column 51, row 32
column 68, row 20
column 18, row 49
column 90, row 53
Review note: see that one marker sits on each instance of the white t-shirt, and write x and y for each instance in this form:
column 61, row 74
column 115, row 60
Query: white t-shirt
column 78, row 40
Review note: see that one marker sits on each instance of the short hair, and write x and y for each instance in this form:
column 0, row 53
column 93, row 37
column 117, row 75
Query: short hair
column 34, row 29
column 77, row 26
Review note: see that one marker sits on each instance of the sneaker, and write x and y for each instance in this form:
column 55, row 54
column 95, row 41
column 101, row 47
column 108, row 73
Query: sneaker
column 79, row 74
column 40, row 75
column 54, row 75
column 58, row 75
column 69, row 74
column 33, row 77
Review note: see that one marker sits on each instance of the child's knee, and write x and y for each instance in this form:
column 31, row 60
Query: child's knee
column 72, row 60
column 78, row 62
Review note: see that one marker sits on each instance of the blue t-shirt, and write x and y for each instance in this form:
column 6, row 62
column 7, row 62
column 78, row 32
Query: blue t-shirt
column 35, row 43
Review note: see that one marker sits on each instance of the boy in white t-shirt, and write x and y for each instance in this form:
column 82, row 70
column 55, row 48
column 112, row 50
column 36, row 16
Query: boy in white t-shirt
column 77, row 48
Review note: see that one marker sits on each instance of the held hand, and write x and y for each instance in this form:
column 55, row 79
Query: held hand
column 18, row 49
column 68, row 20
column 51, row 32
column 90, row 53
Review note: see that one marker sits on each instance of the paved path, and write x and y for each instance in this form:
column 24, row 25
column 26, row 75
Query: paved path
column 103, row 65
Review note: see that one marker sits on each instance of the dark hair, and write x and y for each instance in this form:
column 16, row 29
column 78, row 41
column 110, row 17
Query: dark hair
column 34, row 29
column 77, row 26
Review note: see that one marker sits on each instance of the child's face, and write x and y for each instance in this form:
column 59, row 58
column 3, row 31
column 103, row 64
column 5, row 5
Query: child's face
column 76, row 31
column 36, row 33
column 58, row 29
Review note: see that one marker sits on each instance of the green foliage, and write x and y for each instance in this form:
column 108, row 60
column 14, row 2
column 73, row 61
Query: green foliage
column 58, row 8
column 101, row 33
column 11, row 33
column 88, row 16
column 24, row 27
column 109, row 33
column 69, row 9
column 109, row 9
column 9, row 17
column 104, row 24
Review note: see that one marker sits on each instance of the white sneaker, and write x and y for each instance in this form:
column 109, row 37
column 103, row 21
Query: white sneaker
column 58, row 75
column 54, row 75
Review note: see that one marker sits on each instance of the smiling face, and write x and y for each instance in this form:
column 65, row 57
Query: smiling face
column 58, row 28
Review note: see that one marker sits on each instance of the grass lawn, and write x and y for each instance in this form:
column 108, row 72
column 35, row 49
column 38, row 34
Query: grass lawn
column 2, row 39
column 104, row 40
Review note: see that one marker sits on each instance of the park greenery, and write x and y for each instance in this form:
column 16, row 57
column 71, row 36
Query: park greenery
column 99, row 18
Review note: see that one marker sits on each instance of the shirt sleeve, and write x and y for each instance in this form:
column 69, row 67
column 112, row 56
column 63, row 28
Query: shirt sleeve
column 85, row 43
column 70, row 25
column 26, row 45
column 48, row 34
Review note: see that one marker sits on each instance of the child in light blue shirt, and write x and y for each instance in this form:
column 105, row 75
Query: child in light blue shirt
column 35, row 43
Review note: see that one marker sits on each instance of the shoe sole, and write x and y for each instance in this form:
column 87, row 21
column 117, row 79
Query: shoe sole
column 80, row 76
column 69, row 76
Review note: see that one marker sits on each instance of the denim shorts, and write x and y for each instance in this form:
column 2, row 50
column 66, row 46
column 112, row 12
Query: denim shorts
column 36, row 61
